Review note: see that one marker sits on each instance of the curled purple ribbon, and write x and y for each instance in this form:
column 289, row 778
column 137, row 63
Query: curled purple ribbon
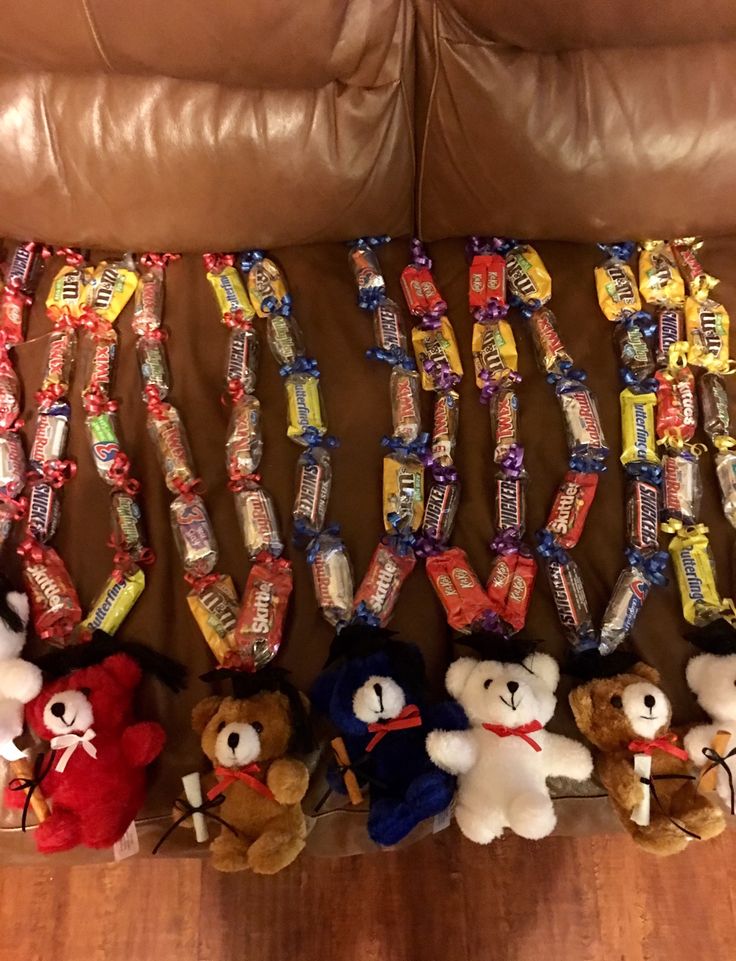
column 432, row 320
column 490, row 312
column 443, row 474
column 507, row 541
column 512, row 462
column 442, row 375
column 419, row 256
column 493, row 383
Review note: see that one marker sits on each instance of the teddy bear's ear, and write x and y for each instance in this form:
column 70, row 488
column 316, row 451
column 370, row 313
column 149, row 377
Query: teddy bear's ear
column 458, row 674
column 203, row 712
column 581, row 704
column 124, row 669
column 545, row 667
column 323, row 689
column 646, row 671
column 696, row 670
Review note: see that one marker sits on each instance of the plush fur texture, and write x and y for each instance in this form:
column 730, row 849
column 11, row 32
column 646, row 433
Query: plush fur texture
column 20, row 681
column 614, row 711
column 239, row 732
column 502, row 780
column 93, row 799
column 712, row 679
column 374, row 679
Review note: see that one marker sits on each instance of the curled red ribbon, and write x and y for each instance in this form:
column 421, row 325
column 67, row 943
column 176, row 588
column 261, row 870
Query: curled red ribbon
column 667, row 743
column 31, row 550
column 199, row 584
column 48, row 396
column 216, row 262
column 56, row 473
column 152, row 259
column 238, row 484
column 119, row 472
column 96, row 401
column 189, row 489
column 19, row 504
column 154, row 402
column 236, row 318
column 234, row 392
column 73, row 256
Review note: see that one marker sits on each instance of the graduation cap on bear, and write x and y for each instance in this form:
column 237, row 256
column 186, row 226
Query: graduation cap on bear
column 590, row 664
column 718, row 637
column 492, row 646
column 269, row 679
column 76, row 657
column 359, row 640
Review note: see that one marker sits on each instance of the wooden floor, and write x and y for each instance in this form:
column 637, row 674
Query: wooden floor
column 587, row 899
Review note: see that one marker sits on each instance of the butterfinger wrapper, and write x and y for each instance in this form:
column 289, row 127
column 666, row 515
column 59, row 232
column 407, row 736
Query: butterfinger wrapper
column 304, row 404
column 114, row 602
column 214, row 607
column 234, row 303
column 637, row 424
column 695, row 572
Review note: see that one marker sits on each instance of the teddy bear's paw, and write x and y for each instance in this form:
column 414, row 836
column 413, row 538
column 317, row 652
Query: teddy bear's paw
column 532, row 816
column 273, row 851
column 480, row 826
column 660, row 838
column 706, row 821
column 390, row 820
column 229, row 853
column 59, row 832
column 430, row 794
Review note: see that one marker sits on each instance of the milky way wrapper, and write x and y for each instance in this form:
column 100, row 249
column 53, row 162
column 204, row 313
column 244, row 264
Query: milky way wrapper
column 285, row 340
column 694, row 568
column 714, row 404
column 527, row 277
column 637, row 427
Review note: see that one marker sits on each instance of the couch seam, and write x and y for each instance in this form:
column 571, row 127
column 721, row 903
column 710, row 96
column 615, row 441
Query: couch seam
column 96, row 35
column 408, row 113
column 430, row 104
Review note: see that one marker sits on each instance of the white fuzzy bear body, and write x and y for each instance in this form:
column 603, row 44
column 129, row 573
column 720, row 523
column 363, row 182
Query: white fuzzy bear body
column 20, row 681
column 502, row 780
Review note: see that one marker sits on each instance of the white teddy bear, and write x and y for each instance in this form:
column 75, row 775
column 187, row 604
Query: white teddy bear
column 712, row 679
column 504, row 759
column 20, row 681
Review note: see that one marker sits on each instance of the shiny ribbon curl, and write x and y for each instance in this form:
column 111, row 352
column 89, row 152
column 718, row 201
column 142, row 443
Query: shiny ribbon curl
column 214, row 262
column 652, row 567
column 302, row 365
column 155, row 404
column 508, row 541
column 151, row 259
column 394, row 356
column 189, row 489
column 237, row 319
column 48, row 396
column 95, row 401
column 120, row 471
column 242, row 482
column 363, row 615
column 490, row 621
column 442, row 375
column 302, row 533
column 30, row 549
column 417, row 447
column 590, row 463
column 649, row 385
column 201, row 583
column 548, row 547
column 314, row 437
column 19, row 505
column 720, row 760
column 649, row 472
column 72, row 255
column 619, row 250
column 56, row 473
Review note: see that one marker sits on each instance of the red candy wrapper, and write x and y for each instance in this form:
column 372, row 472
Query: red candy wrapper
column 9, row 393
column 379, row 590
column 260, row 622
column 458, row 588
column 677, row 406
column 520, row 590
column 487, row 280
column 499, row 579
column 55, row 609
column 422, row 296
column 570, row 508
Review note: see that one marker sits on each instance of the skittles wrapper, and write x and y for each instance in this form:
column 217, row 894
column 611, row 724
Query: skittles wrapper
column 572, row 502
column 677, row 409
column 55, row 610
column 260, row 625
column 379, row 590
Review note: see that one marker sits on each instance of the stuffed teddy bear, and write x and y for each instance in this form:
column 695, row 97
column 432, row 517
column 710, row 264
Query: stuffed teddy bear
column 96, row 782
column 373, row 692
column 247, row 738
column 623, row 712
column 712, row 679
column 504, row 759
column 20, row 681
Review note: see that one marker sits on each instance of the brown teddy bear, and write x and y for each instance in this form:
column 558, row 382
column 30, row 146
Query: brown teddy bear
column 247, row 738
column 624, row 712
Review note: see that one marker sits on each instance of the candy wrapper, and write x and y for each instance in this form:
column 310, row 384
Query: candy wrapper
column 55, row 610
column 726, row 473
column 167, row 431
column 236, row 309
column 670, row 331
column 127, row 525
column 153, row 366
column 568, row 594
column 707, row 324
column 632, row 338
column 379, row 590
column 637, row 426
column 504, row 408
column 618, row 294
column 9, row 393
column 487, row 284
column 333, row 578
column 98, row 364
column 193, row 535
column 258, row 523
column 420, row 291
column 313, row 484
column 403, row 492
column 259, row 628
column 110, row 288
column 570, row 507
column 104, row 445
column 660, row 280
column 405, row 408
column 494, row 351
column 516, row 606
column 677, row 411
column 585, row 440
column 549, row 349
column 43, row 511
column 59, row 366
column 114, row 602
column 458, row 588
column 148, row 301
column 244, row 444
column 243, row 355
column 631, row 590
column 285, row 340
column 305, row 408
column 682, row 491
column 25, row 267
column 714, row 403
column 699, row 284
column 440, row 512
column 388, row 328
column 510, row 503
column 266, row 285
column 214, row 606
column 642, row 514
column 12, row 465
column 438, row 357
column 527, row 277
column 444, row 428
column 67, row 295
column 695, row 572
column 367, row 272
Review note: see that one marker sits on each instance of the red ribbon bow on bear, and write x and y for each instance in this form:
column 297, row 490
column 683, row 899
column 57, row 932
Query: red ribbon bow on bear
column 523, row 731
column 228, row 776
column 408, row 717
column 667, row 743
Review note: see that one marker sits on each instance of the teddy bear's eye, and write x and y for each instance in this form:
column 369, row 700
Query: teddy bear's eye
column 487, row 683
column 221, row 726
column 257, row 727
column 616, row 701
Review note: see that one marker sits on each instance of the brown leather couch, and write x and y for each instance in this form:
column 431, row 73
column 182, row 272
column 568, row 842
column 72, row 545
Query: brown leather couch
column 295, row 127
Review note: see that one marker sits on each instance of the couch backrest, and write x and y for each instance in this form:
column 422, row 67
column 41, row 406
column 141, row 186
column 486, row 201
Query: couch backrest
column 194, row 126
column 576, row 119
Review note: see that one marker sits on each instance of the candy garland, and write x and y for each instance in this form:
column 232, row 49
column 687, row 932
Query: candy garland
column 403, row 469
column 326, row 553
column 661, row 281
column 110, row 288
column 17, row 295
column 257, row 633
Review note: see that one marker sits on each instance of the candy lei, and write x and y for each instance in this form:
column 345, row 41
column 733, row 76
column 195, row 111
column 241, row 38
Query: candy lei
column 666, row 272
column 326, row 553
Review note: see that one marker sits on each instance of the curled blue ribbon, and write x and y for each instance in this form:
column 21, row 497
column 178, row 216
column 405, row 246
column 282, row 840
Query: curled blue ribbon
column 644, row 471
column 571, row 373
column 416, row 447
column 394, row 356
column 592, row 463
column 620, row 250
column 564, row 384
column 525, row 307
column 248, row 258
column 314, row 437
column 302, row 365
column 315, row 542
column 649, row 385
column 548, row 547
column 403, row 538
column 363, row 615
column 642, row 319
column 586, row 641
column 370, row 297
column 652, row 566
column 366, row 242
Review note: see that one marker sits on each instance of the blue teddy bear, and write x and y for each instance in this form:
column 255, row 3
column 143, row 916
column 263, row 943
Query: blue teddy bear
column 372, row 689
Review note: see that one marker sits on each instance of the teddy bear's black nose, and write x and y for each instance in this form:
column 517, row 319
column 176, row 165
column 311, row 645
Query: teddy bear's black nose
column 233, row 740
column 58, row 709
column 650, row 700
column 512, row 686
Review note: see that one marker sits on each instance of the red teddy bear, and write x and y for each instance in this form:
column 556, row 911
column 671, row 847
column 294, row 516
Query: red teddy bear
column 96, row 784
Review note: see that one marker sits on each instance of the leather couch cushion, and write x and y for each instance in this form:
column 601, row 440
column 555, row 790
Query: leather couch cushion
column 569, row 127
column 357, row 403
column 305, row 136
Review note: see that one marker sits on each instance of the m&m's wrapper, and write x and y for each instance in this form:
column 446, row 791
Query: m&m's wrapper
column 214, row 606
column 403, row 492
column 618, row 294
column 438, row 357
column 67, row 295
column 494, row 351
column 527, row 277
column 110, row 288
column 660, row 280
column 707, row 324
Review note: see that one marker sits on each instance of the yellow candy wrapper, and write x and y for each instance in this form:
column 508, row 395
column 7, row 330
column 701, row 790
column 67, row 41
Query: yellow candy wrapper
column 111, row 287
column 707, row 324
column 696, row 578
column 68, row 293
column 232, row 299
column 527, row 277
column 494, row 351
column 304, row 405
column 114, row 602
column 438, row 357
column 698, row 283
column 637, row 427
column 660, row 280
column 403, row 492
column 215, row 609
column 266, row 287
column 616, row 287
